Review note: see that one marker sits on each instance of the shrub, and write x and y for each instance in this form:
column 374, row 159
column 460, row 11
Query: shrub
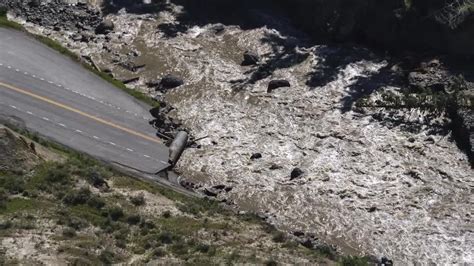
column 158, row 253
column 107, row 257
column 95, row 178
column 138, row 200
column 278, row 237
column 167, row 214
column 58, row 174
column 354, row 261
column 3, row 12
column 133, row 219
column 327, row 251
column 12, row 184
column 203, row 248
column 271, row 263
column 69, row 232
column 116, row 213
column 76, row 223
column 179, row 248
column 165, row 237
column 77, row 197
column 96, row 202
column 3, row 198
column 147, row 225
column 51, row 177
column 122, row 233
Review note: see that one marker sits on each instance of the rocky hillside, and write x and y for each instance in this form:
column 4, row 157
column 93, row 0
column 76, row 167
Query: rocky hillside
column 401, row 25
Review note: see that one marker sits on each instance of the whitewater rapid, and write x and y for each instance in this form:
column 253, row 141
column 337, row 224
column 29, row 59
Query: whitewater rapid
column 374, row 182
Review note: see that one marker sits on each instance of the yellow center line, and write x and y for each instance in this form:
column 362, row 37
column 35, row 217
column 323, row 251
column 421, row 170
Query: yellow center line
column 74, row 110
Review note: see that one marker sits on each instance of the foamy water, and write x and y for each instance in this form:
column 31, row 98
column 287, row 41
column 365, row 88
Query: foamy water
column 370, row 186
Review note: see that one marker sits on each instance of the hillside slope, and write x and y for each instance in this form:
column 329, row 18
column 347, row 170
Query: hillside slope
column 58, row 207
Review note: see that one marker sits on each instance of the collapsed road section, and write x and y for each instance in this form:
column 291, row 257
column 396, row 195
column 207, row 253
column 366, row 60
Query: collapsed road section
column 54, row 96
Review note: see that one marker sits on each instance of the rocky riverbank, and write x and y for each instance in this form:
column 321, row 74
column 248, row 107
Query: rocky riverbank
column 301, row 152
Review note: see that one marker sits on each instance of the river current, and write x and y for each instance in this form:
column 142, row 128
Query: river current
column 375, row 182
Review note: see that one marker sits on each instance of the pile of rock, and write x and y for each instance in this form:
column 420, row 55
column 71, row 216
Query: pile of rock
column 165, row 125
column 56, row 14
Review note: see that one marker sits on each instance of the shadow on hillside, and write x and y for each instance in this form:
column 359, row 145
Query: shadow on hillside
column 196, row 13
column 288, row 44
column 365, row 86
column 285, row 53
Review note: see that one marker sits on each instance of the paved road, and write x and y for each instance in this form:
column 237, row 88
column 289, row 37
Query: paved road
column 59, row 99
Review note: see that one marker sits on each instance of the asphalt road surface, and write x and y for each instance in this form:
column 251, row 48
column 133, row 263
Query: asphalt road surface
column 59, row 99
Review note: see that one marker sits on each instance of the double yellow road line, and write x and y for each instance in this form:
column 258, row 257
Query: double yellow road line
column 79, row 112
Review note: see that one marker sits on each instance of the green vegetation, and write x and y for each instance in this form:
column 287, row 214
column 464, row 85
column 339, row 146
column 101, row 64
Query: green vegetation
column 17, row 205
column 4, row 22
column 354, row 261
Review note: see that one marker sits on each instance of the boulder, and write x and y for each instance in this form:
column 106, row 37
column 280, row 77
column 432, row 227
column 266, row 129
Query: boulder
column 218, row 28
column 297, row 172
column 105, row 27
column 86, row 37
column 210, row 192
column 279, row 83
column 35, row 3
column 219, row 187
column 158, row 112
column 386, row 262
column 250, row 59
column 275, row 167
column 298, row 233
column 169, row 82
column 256, row 156
column 307, row 243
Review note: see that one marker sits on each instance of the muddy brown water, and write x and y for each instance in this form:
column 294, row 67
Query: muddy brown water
column 368, row 186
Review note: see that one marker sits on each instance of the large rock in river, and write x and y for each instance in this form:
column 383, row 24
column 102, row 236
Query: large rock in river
column 279, row 83
column 105, row 27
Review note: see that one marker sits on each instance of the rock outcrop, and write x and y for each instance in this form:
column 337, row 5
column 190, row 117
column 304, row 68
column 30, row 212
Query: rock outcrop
column 278, row 83
column 437, row 25
column 56, row 14
column 104, row 27
column 17, row 154
column 169, row 82
column 250, row 59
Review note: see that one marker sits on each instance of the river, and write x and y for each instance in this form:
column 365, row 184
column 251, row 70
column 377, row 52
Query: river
column 375, row 182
